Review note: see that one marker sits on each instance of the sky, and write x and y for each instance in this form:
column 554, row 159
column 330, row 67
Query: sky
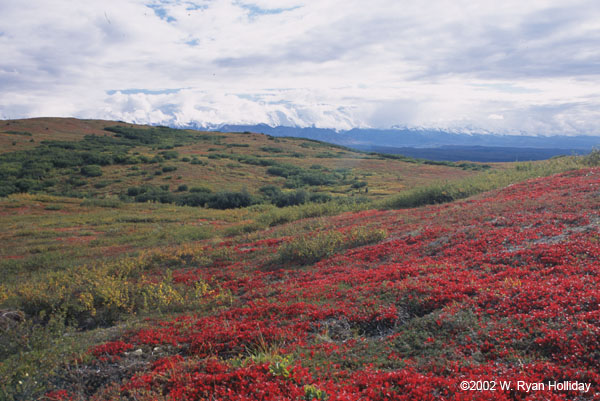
column 508, row 67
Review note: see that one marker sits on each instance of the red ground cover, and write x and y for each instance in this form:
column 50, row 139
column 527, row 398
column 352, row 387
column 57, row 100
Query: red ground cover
column 504, row 287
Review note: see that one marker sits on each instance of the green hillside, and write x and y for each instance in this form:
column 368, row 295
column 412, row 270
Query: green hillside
column 99, row 159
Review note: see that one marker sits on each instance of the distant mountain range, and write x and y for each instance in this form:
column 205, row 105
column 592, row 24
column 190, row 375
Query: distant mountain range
column 434, row 144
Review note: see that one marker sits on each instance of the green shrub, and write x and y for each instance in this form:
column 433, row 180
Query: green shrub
column 7, row 189
column 271, row 149
column 153, row 194
column 230, row 200
column 290, row 198
column 427, row 196
column 270, row 191
column 76, row 182
column 169, row 154
column 91, row 170
column 201, row 190
column 193, row 199
column 319, row 197
column 315, row 178
column 307, row 210
column 182, row 188
column 168, row 169
column 27, row 184
column 310, row 249
column 284, row 170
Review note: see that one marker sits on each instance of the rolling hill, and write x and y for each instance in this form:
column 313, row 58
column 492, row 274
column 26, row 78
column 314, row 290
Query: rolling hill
column 53, row 155
column 457, row 273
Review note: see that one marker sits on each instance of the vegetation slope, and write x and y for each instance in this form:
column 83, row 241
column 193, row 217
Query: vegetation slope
column 109, row 295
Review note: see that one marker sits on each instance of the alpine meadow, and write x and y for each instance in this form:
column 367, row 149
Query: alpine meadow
column 294, row 200
column 147, row 263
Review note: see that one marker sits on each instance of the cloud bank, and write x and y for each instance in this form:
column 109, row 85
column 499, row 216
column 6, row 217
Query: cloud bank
column 519, row 67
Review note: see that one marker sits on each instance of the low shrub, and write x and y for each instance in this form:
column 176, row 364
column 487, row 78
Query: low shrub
column 200, row 189
column 290, row 198
column 74, row 181
column 91, row 170
column 98, row 295
column 270, row 191
column 293, row 213
column 319, row 197
column 197, row 199
column 271, row 149
column 169, row 154
column 230, row 200
column 311, row 249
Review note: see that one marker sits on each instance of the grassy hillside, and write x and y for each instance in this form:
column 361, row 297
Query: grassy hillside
column 107, row 295
column 82, row 190
column 98, row 159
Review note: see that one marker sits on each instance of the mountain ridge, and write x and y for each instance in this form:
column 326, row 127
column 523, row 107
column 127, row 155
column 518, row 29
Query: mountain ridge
column 418, row 137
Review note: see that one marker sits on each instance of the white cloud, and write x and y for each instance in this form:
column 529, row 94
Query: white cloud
column 331, row 63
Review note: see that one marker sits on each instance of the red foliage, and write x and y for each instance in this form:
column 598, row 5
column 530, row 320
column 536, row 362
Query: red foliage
column 506, row 287
column 58, row 395
column 111, row 351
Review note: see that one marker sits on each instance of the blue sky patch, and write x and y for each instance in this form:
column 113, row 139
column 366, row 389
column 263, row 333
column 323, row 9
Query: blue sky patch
column 161, row 12
column 191, row 6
